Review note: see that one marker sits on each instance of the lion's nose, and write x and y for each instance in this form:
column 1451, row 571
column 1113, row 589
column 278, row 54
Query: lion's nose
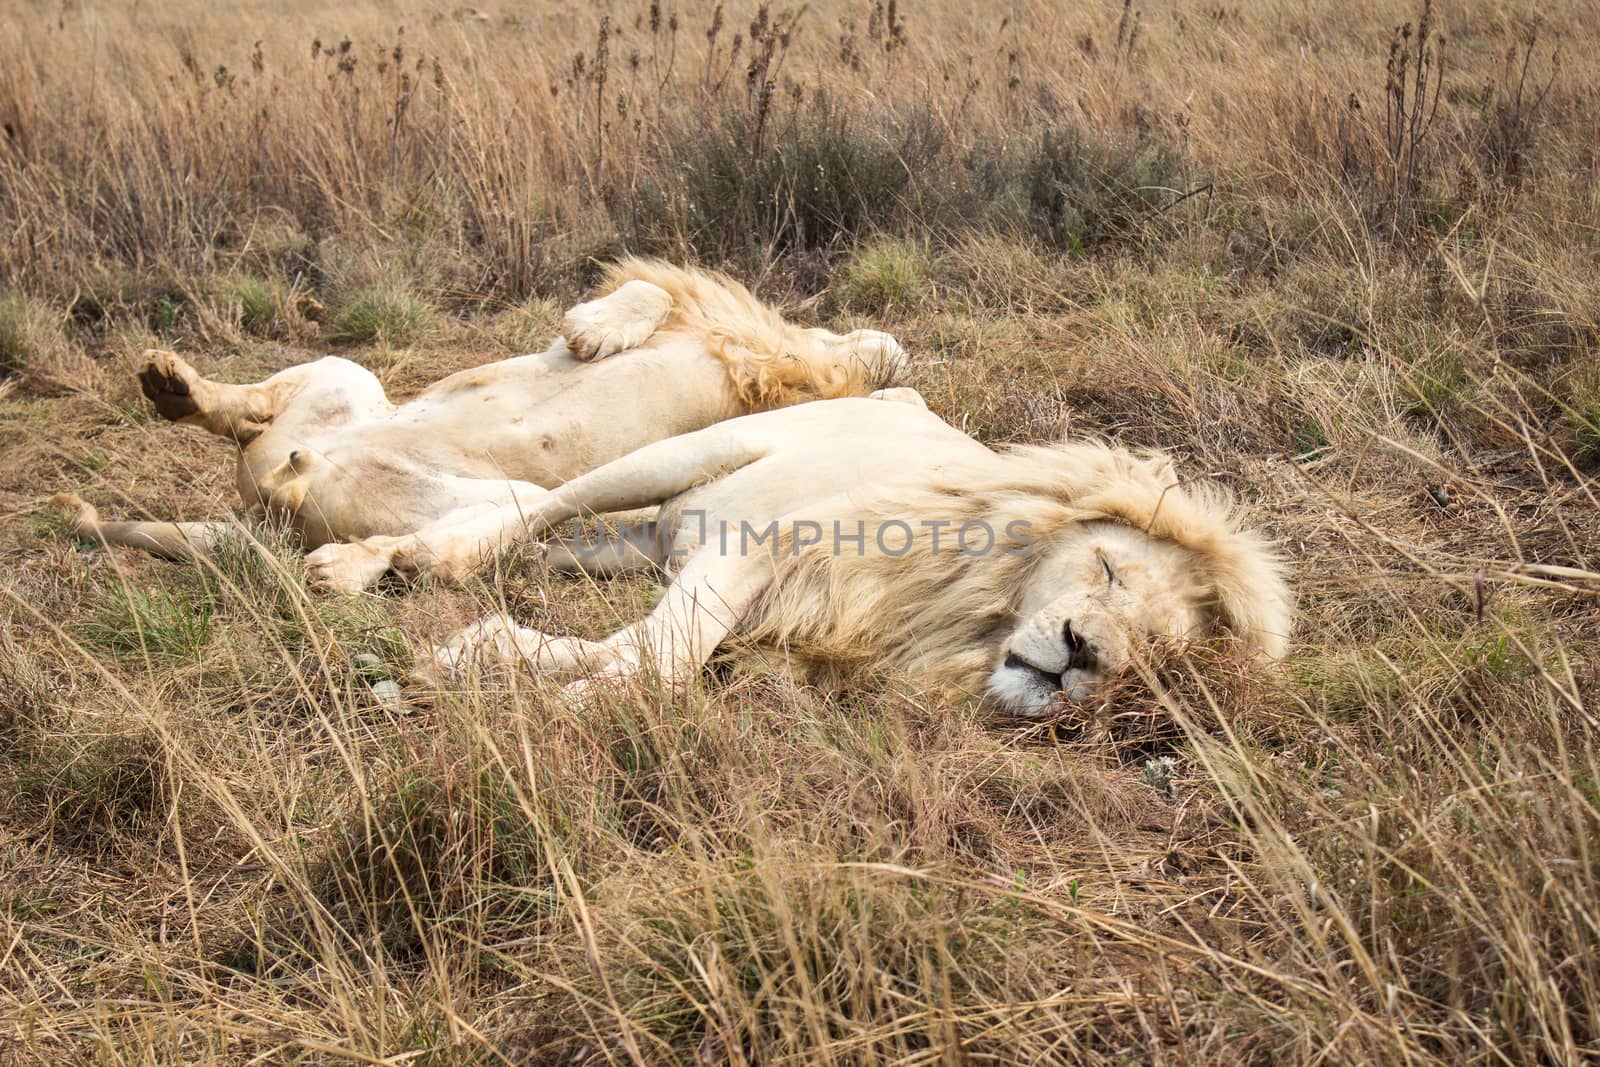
column 1080, row 653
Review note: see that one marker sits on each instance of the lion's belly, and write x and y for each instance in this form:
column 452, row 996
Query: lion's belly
column 507, row 427
column 385, row 470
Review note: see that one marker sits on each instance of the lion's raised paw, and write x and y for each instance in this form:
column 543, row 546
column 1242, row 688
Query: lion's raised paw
column 616, row 322
column 171, row 384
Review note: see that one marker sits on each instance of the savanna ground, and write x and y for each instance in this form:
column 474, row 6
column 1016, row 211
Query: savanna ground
column 1347, row 268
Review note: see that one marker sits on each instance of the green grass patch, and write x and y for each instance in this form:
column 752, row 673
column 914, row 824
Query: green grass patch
column 170, row 623
column 387, row 313
column 257, row 302
column 887, row 274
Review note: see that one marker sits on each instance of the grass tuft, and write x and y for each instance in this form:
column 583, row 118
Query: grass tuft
column 89, row 778
column 30, row 336
column 1579, row 428
column 705, row 961
column 257, row 302
column 886, row 275
column 17, row 345
column 387, row 313
column 171, row 624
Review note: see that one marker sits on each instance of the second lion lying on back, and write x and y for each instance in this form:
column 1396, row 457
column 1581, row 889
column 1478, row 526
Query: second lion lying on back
column 661, row 350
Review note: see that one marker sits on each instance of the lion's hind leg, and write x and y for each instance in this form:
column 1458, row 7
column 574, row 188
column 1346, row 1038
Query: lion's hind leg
column 243, row 412
column 181, row 394
column 622, row 319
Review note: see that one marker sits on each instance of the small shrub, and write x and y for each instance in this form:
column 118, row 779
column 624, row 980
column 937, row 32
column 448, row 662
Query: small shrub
column 721, row 187
column 886, row 274
column 257, row 302
column 385, row 312
column 1512, row 111
column 1076, row 192
column 28, row 334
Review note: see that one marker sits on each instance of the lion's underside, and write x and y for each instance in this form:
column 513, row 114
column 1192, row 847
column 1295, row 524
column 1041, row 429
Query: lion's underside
column 322, row 445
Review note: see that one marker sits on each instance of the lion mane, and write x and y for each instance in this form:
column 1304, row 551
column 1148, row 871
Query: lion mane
column 942, row 614
column 771, row 363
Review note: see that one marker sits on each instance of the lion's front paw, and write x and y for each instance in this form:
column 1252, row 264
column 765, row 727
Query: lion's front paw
column 592, row 688
column 348, row 567
column 490, row 640
column 592, row 341
column 448, row 661
column 612, row 678
column 171, row 384
column 616, row 322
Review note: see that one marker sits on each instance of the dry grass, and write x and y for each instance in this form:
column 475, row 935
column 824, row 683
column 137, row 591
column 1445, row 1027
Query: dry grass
column 1367, row 300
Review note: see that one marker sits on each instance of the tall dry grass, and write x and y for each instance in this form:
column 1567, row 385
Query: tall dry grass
column 1345, row 266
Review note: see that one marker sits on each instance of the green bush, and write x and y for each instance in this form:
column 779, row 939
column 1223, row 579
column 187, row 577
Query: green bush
column 737, row 184
column 385, row 312
column 1076, row 191
column 887, row 273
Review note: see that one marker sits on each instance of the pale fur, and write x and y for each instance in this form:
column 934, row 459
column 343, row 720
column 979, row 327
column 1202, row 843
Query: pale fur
column 947, row 617
column 941, row 615
column 660, row 350
column 772, row 362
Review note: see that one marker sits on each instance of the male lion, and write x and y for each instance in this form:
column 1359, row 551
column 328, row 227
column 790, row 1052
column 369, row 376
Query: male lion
column 321, row 445
column 868, row 534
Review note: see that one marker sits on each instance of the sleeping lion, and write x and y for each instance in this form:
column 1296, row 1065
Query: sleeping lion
column 659, row 351
column 866, row 535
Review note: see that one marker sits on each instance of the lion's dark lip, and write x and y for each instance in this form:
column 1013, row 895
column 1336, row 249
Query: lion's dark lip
column 1016, row 662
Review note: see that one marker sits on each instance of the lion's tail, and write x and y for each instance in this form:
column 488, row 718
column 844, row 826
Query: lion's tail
column 169, row 540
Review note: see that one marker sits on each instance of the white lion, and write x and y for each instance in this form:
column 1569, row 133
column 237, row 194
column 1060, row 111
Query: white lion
column 321, row 445
column 866, row 535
